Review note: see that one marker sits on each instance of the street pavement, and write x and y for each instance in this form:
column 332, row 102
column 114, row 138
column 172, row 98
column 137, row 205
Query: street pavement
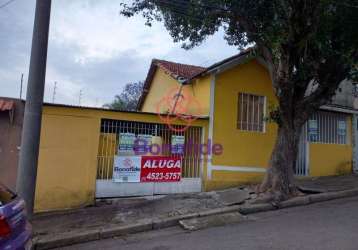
column 328, row 225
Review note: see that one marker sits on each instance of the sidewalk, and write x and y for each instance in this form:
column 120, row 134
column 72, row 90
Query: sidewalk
column 330, row 183
column 109, row 218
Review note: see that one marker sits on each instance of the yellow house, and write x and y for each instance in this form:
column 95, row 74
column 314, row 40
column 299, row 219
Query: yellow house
column 221, row 108
column 237, row 94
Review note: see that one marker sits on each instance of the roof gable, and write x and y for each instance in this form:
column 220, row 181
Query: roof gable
column 185, row 73
column 178, row 71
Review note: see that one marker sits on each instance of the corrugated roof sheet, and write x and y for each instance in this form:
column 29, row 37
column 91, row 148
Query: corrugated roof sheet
column 6, row 105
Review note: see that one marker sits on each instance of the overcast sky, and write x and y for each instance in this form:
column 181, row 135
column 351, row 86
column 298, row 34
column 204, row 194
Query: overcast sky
column 91, row 48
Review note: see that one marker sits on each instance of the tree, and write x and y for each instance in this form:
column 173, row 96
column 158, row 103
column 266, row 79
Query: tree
column 129, row 97
column 304, row 43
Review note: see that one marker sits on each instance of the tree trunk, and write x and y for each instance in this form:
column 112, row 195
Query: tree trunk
column 279, row 179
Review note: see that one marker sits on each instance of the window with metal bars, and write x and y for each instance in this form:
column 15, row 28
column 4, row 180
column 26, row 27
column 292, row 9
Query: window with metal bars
column 328, row 127
column 251, row 112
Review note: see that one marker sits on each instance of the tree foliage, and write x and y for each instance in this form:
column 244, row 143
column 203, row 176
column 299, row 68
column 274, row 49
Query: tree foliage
column 301, row 40
column 308, row 46
column 128, row 99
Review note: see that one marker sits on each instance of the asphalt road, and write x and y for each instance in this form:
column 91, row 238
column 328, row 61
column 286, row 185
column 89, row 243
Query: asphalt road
column 329, row 225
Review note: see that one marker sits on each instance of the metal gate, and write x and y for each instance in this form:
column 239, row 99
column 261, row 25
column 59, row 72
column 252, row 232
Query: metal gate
column 325, row 128
column 302, row 157
column 355, row 143
column 162, row 134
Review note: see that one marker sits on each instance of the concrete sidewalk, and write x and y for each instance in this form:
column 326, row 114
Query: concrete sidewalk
column 123, row 212
column 116, row 217
column 329, row 183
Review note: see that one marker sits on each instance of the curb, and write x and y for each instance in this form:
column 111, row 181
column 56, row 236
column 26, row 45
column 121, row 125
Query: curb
column 153, row 224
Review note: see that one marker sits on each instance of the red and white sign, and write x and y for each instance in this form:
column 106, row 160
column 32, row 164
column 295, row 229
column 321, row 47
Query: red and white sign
column 160, row 169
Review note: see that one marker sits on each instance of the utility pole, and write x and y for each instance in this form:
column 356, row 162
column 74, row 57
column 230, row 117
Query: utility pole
column 22, row 81
column 54, row 92
column 30, row 140
column 80, row 98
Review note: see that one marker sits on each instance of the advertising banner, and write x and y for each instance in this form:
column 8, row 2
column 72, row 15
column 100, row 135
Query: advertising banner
column 342, row 127
column 126, row 143
column 126, row 169
column 142, row 144
column 313, row 130
column 160, row 169
column 178, row 142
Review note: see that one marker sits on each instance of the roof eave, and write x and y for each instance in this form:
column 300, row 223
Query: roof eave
column 226, row 64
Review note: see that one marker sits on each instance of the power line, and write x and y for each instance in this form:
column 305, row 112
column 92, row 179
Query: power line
column 181, row 13
column 54, row 92
column 178, row 10
column 6, row 4
column 181, row 3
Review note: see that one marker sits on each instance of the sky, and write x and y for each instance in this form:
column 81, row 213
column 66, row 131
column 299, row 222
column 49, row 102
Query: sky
column 93, row 50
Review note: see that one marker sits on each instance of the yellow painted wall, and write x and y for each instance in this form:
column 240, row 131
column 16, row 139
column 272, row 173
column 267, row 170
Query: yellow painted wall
column 69, row 145
column 253, row 149
column 332, row 159
column 67, row 161
column 162, row 84
column 196, row 96
column 199, row 92
column 226, row 179
column 242, row 148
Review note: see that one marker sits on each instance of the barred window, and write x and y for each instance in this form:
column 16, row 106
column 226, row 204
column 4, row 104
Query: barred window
column 251, row 112
column 328, row 127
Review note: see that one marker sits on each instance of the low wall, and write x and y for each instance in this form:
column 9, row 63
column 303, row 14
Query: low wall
column 67, row 167
column 330, row 159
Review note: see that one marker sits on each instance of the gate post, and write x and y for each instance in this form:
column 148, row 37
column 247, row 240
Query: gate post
column 355, row 142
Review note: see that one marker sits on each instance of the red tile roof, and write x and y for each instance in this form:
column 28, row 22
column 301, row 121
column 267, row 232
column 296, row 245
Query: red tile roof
column 6, row 105
column 183, row 72
column 179, row 70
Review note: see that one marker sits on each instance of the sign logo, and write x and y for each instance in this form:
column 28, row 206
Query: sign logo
column 147, row 169
column 179, row 106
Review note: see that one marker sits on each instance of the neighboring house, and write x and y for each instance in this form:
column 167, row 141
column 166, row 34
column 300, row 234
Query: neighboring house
column 237, row 94
column 11, row 116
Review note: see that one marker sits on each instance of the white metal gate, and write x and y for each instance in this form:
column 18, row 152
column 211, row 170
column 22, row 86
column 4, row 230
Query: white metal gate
column 325, row 128
column 108, row 148
column 355, row 143
column 302, row 157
